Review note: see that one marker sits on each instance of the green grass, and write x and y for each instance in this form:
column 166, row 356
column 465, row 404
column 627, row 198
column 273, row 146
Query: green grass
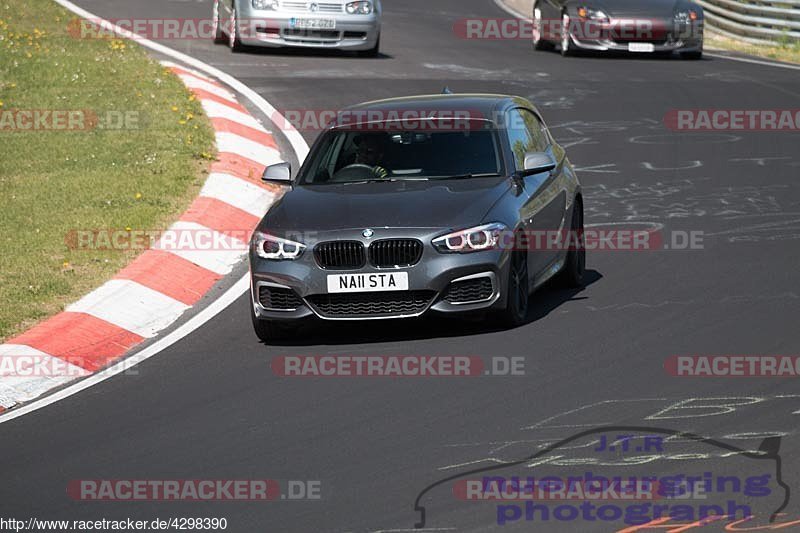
column 52, row 182
column 784, row 50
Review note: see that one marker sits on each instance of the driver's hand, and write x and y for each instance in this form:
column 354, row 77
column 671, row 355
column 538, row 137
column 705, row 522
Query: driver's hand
column 380, row 172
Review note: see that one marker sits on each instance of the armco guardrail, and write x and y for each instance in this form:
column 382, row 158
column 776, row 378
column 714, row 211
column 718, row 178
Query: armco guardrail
column 754, row 20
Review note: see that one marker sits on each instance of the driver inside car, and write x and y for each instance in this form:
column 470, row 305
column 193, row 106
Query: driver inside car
column 371, row 149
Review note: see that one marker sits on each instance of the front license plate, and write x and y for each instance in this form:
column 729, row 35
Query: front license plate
column 312, row 24
column 641, row 47
column 376, row 282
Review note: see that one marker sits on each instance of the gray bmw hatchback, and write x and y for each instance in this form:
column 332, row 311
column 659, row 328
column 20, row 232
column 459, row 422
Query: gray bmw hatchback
column 444, row 203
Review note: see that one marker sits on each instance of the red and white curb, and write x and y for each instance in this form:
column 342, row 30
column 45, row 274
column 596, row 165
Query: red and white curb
column 156, row 288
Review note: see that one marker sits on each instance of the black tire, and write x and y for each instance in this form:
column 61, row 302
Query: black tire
column 372, row 52
column 566, row 41
column 517, row 291
column 269, row 331
column 694, row 56
column 234, row 42
column 574, row 269
column 539, row 42
column 219, row 35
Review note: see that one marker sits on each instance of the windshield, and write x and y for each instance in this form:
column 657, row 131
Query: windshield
column 355, row 156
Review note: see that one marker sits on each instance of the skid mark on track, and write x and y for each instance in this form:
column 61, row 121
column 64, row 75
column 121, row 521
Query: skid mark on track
column 740, row 298
column 583, row 127
column 765, row 231
column 690, row 165
column 606, row 168
column 477, row 73
column 560, row 97
column 680, row 199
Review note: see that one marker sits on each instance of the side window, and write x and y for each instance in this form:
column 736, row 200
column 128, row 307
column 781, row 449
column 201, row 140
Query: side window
column 525, row 134
column 536, row 129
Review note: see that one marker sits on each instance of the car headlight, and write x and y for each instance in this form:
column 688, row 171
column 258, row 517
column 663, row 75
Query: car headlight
column 591, row 13
column 475, row 239
column 359, row 8
column 686, row 17
column 275, row 248
column 270, row 5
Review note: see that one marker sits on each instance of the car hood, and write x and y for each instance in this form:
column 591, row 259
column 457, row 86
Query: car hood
column 419, row 204
column 640, row 8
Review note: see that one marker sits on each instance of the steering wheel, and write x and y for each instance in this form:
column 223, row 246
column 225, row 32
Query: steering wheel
column 354, row 172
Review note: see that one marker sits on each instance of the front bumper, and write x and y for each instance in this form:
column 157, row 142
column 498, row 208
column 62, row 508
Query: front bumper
column 620, row 35
column 659, row 47
column 276, row 29
column 430, row 286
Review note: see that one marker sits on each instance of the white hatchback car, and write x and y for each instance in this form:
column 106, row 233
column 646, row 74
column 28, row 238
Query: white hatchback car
column 339, row 24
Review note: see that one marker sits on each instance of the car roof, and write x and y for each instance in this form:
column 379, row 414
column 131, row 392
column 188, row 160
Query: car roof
column 483, row 105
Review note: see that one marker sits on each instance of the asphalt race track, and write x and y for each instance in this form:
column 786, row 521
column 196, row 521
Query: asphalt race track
column 210, row 406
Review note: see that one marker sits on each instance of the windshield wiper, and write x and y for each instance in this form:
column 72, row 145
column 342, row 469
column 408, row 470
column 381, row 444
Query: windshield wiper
column 372, row 180
column 421, row 178
column 467, row 176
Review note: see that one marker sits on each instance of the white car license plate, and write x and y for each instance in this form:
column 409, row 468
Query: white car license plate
column 312, row 24
column 374, row 282
column 641, row 47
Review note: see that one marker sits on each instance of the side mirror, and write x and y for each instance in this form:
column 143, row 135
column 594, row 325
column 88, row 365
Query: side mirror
column 536, row 162
column 279, row 172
